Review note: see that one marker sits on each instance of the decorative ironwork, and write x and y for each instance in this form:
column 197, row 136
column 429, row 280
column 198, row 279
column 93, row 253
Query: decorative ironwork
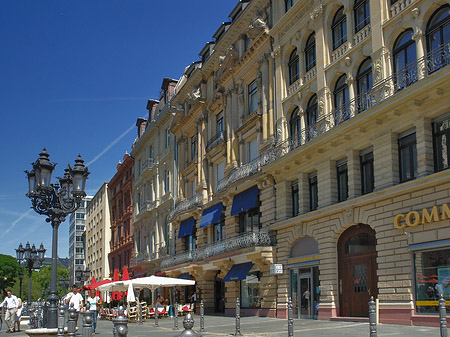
column 214, row 141
column 184, row 205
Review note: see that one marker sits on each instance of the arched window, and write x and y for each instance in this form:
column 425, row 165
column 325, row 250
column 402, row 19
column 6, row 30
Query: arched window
column 438, row 35
column 310, row 52
column 405, row 58
column 339, row 28
column 364, row 83
column 294, row 123
column 293, row 67
column 362, row 14
column 341, row 100
column 311, row 111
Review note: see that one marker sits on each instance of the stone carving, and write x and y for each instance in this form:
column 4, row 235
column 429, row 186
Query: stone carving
column 348, row 61
column 415, row 13
column 227, row 61
column 418, row 33
column 378, row 66
column 316, row 12
column 256, row 27
column 194, row 95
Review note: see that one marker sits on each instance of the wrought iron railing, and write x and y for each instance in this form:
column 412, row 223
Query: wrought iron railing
column 148, row 164
column 241, row 241
column 214, row 141
column 183, row 205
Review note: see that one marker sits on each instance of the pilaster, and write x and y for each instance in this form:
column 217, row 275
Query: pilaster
column 385, row 160
column 424, row 140
column 327, row 183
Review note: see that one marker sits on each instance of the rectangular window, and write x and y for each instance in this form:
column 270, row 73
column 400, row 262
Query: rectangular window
column 166, row 181
column 407, row 154
column 190, row 241
column 252, row 150
column 342, row 181
column 193, row 147
column 79, row 215
column 251, row 290
column 431, row 275
column 252, row 97
column 313, row 192
column 294, row 194
column 362, row 14
column 367, row 174
column 249, row 220
column 441, row 142
column 167, row 137
column 219, row 229
column 219, row 123
column 219, row 172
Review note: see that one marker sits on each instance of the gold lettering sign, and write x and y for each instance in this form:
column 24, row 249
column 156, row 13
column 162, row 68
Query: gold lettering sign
column 414, row 218
column 304, row 259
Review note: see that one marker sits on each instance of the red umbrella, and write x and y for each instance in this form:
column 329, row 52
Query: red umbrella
column 125, row 275
column 115, row 294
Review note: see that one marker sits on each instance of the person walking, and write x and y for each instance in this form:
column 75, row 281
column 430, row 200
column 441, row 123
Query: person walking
column 11, row 304
column 18, row 314
column 76, row 298
column 92, row 303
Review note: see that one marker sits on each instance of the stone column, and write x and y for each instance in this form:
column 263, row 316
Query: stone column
column 376, row 22
column 348, row 11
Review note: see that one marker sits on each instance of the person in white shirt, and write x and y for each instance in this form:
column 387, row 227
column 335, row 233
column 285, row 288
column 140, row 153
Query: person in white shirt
column 76, row 298
column 92, row 303
column 11, row 304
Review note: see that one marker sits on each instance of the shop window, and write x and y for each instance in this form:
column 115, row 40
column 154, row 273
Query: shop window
column 441, row 138
column 438, row 36
column 310, row 52
column 339, row 28
column 251, row 289
column 367, row 172
column 342, row 180
column 313, row 192
column 294, row 196
column 432, row 278
column 293, row 67
column 362, row 14
column 407, row 157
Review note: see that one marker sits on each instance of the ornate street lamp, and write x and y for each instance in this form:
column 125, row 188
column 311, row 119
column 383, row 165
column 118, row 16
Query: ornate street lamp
column 20, row 283
column 56, row 201
column 32, row 258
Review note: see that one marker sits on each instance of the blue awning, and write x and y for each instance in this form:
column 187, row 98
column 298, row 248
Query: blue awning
column 186, row 227
column 211, row 215
column 245, row 200
column 238, row 272
column 185, row 276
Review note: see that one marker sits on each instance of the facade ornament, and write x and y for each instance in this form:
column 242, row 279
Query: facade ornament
column 227, row 61
column 415, row 12
column 298, row 35
column 316, row 13
column 276, row 52
column 348, row 61
column 378, row 66
column 256, row 27
column 418, row 34
column 349, row 79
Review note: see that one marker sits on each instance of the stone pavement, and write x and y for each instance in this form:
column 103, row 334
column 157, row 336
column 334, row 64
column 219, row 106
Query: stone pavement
column 217, row 326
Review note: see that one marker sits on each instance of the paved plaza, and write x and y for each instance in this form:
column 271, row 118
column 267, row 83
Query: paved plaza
column 258, row 326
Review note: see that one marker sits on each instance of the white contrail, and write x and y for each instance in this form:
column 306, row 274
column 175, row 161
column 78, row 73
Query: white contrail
column 15, row 223
column 110, row 145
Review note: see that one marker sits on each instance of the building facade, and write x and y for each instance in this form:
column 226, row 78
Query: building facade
column 121, row 214
column 77, row 243
column 154, row 158
column 98, row 234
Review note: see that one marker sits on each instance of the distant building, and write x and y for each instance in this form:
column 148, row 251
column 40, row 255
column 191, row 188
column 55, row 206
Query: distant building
column 77, row 223
column 98, row 234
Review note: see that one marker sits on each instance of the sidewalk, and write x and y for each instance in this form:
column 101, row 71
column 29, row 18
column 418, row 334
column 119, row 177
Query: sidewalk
column 216, row 326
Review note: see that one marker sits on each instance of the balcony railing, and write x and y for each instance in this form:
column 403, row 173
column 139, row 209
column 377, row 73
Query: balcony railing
column 214, row 141
column 148, row 164
column 244, row 240
column 184, row 205
column 399, row 6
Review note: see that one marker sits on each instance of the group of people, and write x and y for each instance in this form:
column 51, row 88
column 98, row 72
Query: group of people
column 13, row 312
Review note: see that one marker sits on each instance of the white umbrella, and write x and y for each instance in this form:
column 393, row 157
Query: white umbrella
column 130, row 293
column 150, row 282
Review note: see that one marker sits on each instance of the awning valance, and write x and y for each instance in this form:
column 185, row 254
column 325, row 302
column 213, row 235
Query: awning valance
column 186, row 227
column 238, row 272
column 211, row 215
column 245, row 200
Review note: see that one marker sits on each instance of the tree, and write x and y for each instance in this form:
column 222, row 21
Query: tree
column 9, row 270
column 44, row 277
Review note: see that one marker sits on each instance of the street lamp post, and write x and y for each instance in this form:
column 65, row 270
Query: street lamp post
column 56, row 201
column 32, row 258
column 20, row 283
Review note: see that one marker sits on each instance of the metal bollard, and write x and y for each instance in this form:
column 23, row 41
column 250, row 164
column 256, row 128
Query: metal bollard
column 140, row 314
column 156, row 316
column 87, row 323
column 442, row 316
column 72, row 323
column 290, row 319
column 238, row 318
column 175, row 317
column 188, row 324
column 120, row 324
column 61, row 319
column 202, row 316
column 372, row 318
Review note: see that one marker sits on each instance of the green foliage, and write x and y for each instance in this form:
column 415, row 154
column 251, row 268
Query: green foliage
column 9, row 269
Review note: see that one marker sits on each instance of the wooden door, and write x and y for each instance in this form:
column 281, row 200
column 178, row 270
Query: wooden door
column 357, row 270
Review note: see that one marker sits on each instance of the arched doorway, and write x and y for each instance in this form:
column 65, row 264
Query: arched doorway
column 219, row 294
column 357, row 270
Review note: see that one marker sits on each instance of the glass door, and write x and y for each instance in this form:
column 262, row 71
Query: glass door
column 305, row 293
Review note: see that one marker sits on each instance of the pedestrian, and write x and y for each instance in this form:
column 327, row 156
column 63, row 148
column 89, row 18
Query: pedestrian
column 92, row 305
column 11, row 304
column 75, row 297
column 18, row 313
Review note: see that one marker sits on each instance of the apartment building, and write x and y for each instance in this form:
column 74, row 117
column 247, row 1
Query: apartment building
column 98, row 234
column 154, row 166
column 121, row 214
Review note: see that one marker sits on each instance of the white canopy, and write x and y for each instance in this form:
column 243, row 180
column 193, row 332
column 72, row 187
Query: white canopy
column 150, row 282
column 130, row 294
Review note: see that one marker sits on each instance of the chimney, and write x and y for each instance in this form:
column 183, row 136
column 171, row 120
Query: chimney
column 141, row 125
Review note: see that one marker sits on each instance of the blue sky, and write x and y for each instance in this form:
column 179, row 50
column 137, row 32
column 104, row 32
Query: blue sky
column 74, row 77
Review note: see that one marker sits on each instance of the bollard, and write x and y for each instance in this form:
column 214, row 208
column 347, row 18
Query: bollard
column 372, row 318
column 238, row 318
column 442, row 316
column 72, row 323
column 140, row 314
column 120, row 324
column 175, row 317
column 156, row 316
column 87, row 323
column 61, row 319
column 44, row 314
column 290, row 319
column 188, row 324
column 202, row 316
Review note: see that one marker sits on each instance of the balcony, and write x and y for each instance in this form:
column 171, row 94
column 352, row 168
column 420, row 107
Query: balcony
column 340, row 51
column 148, row 165
column 184, row 205
column 242, row 241
column 361, row 35
column 399, row 6
column 214, row 141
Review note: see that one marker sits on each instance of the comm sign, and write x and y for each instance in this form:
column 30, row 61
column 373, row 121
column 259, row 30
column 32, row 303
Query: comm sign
column 276, row 268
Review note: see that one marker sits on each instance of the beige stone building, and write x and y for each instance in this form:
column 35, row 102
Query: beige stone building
column 98, row 234
column 153, row 192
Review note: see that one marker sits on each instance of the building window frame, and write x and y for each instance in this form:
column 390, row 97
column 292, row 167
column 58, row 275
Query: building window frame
column 288, row 5
column 295, row 194
column 339, row 28
column 441, row 143
column 310, row 52
column 362, row 14
column 364, row 83
column 342, row 180
column 367, row 171
column 293, row 65
column 407, row 156
column 252, row 97
column 313, row 192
